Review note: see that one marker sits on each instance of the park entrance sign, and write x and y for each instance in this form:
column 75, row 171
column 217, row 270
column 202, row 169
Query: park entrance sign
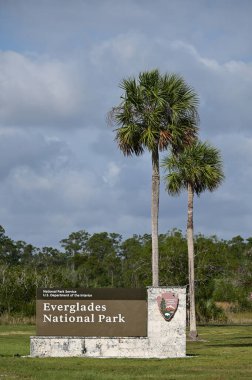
column 91, row 312
column 111, row 323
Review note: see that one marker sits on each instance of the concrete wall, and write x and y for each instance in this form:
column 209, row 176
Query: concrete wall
column 164, row 340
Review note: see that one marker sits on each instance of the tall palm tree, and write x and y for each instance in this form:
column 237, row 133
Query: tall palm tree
column 197, row 168
column 155, row 111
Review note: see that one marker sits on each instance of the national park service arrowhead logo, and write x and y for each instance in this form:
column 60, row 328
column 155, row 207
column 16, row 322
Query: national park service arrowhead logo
column 168, row 304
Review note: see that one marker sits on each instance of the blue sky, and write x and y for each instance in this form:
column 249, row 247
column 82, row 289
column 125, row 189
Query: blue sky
column 60, row 66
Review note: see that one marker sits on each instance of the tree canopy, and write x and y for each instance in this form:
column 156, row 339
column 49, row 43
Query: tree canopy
column 157, row 111
column 198, row 164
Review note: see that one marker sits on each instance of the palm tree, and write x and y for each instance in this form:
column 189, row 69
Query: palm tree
column 197, row 168
column 155, row 111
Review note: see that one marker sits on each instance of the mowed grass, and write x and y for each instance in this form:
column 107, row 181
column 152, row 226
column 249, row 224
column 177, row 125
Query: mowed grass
column 225, row 352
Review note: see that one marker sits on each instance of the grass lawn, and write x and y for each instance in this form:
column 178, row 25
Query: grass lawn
column 225, row 352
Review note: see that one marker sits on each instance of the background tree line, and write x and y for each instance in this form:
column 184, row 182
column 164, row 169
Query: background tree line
column 223, row 268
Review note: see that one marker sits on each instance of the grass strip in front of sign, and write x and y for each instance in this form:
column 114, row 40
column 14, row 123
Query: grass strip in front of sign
column 224, row 353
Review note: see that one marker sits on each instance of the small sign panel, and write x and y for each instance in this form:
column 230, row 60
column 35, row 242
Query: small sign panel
column 91, row 312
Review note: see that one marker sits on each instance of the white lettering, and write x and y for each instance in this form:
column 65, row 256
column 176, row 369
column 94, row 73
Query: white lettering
column 101, row 317
column 72, row 309
column 121, row 319
column 46, row 306
column 91, row 307
column 111, row 319
column 47, row 318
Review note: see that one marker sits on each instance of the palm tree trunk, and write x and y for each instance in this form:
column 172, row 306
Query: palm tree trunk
column 154, row 215
column 190, row 244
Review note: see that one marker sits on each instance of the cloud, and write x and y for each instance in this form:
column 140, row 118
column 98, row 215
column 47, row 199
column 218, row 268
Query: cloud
column 59, row 72
column 122, row 50
column 111, row 174
column 224, row 87
column 32, row 149
column 37, row 90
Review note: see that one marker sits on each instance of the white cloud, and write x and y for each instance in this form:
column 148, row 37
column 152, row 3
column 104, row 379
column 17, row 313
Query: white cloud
column 239, row 68
column 32, row 149
column 120, row 54
column 111, row 174
column 26, row 180
column 36, row 90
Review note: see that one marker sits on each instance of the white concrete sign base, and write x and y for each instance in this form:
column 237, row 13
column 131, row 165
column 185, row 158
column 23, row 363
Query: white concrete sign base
column 165, row 339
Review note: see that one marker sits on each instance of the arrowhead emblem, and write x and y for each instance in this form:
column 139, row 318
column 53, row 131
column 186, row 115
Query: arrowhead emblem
column 168, row 304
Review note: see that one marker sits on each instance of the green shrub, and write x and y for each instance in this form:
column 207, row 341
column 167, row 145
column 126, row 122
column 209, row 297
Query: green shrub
column 207, row 311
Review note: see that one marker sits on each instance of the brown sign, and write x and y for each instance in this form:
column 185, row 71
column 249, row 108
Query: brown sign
column 91, row 312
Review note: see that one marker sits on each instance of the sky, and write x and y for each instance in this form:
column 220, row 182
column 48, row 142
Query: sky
column 61, row 63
